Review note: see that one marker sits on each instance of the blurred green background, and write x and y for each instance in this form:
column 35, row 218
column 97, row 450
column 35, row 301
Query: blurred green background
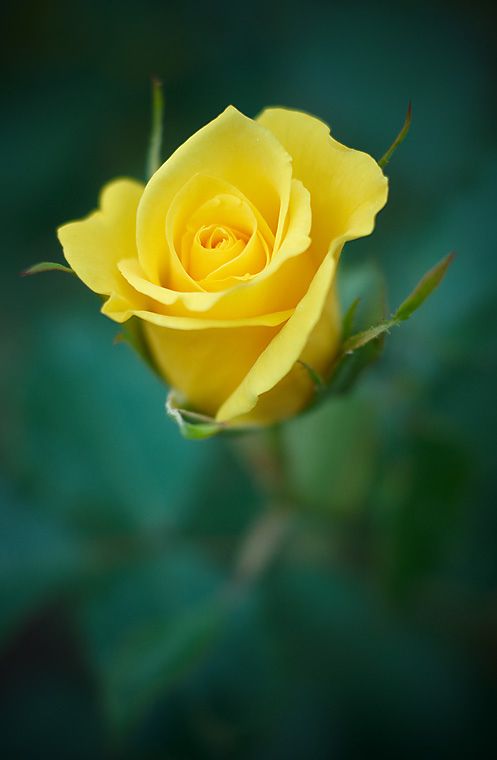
column 374, row 631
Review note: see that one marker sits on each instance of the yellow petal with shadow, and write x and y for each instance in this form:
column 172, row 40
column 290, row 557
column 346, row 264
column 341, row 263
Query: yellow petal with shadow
column 280, row 355
column 206, row 365
column 296, row 389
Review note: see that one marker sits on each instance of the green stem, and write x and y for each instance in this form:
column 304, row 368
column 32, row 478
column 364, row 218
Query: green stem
column 155, row 144
column 264, row 456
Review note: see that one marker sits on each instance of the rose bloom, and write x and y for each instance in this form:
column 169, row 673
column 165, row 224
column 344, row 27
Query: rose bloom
column 228, row 256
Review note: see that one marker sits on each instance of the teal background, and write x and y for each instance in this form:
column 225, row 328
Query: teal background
column 374, row 631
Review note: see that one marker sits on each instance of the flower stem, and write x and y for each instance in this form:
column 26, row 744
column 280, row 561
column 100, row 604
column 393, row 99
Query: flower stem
column 264, row 455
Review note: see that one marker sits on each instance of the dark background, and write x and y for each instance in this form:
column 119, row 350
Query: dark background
column 374, row 632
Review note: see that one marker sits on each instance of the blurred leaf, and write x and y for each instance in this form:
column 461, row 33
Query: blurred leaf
column 147, row 624
column 154, row 657
column 334, row 632
column 38, row 559
column 45, row 710
column 47, row 266
column 96, row 427
column 419, row 524
column 330, row 455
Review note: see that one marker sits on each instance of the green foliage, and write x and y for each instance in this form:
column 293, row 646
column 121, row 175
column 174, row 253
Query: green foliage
column 39, row 560
column 331, row 454
column 372, row 633
column 147, row 626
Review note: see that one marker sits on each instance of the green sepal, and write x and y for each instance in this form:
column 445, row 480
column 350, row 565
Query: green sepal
column 348, row 367
column 349, row 318
column 132, row 333
column 192, row 425
column 155, row 143
column 414, row 300
column 399, row 139
column 367, row 284
column 317, row 380
column 47, row 266
column 425, row 286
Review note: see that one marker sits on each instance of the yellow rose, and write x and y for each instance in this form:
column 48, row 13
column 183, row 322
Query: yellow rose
column 229, row 254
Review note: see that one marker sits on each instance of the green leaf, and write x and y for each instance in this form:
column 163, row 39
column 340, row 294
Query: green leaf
column 155, row 144
column 148, row 622
column 158, row 655
column 89, row 410
column 425, row 286
column 39, row 559
column 327, row 471
column 192, row 425
column 46, row 266
column 399, row 139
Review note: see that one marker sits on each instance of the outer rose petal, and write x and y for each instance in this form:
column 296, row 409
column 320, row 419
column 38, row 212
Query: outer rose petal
column 347, row 186
column 232, row 147
column 296, row 389
column 94, row 246
column 278, row 358
column 207, row 365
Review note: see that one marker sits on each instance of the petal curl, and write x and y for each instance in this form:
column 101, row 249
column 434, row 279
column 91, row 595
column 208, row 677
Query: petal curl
column 120, row 310
column 278, row 287
column 93, row 246
column 347, row 186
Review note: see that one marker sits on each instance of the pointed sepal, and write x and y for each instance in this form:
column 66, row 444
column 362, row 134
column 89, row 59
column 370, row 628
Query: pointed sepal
column 399, row 139
column 154, row 159
column 428, row 283
column 192, row 425
column 46, row 266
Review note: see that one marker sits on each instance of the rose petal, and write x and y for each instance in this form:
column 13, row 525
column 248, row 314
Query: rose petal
column 347, row 186
column 94, row 246
column 233, row 147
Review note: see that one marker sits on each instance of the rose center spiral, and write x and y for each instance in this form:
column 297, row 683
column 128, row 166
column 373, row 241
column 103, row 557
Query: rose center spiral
column 214, row 237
